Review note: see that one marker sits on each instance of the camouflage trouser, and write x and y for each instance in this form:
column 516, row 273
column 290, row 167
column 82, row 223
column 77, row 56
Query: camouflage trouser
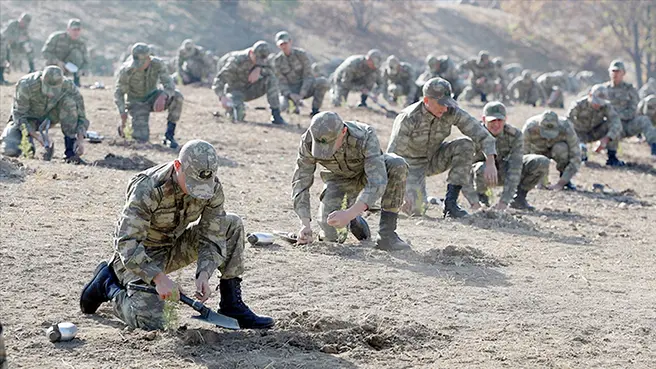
column 185, row 77
column 556, row 99
column 64, row 113
column 534, row 168
column 339, row 91
column 317, row 91
column 559, row 153
column 457, row 86
column 3, row 352
column 639, row 124
column 266, row 85
column 529, row 97
column 140, row 113
column 596, row 133
column 144, row 310
column 474, row 89
column 456, row 155
column 334, row 190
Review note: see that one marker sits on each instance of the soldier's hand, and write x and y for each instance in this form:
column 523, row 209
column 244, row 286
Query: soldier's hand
column 602, row 144
column 79, row 147
column 254, row 75
column 490, row 173
column 296, row 98
column 165, row 287
column 203, row 290
column 160, row 103
column 558, row 186
column 121, row 125
column 339, row 219
column 305, row 235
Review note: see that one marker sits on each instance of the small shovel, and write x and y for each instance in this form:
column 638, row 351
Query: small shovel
column 206, row 314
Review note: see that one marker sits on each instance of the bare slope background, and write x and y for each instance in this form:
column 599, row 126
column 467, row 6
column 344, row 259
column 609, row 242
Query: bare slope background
column 409, row 29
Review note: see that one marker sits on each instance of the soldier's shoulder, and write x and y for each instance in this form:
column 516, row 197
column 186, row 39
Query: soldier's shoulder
column 512, row 131
column 531, row 124
column 30, row 80
column 565, row 124
column 627, row 86
column 157, row 62
column 152, row 178
column 299, row 51
column 359, row 130
column 413, row 111
column 57, row 34
column 69, row 85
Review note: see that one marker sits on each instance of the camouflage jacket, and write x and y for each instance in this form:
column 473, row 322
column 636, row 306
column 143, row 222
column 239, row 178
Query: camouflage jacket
column 157, row 212
column 139, row 85
column 585, row 118
column 295, row 69
column 489, row 71
column 405, row 77
column 31, row 103
column 233, row 75
column 13, row 34
column 196, row 63
column 534, row 143
column 360, row 159
column 61, row 48
column 510, row 149
column 649, row 88
column 624, row 98
column 526, row 89
column 647, row 106
column 553, row 79
column 418, row 134
column 355, row 74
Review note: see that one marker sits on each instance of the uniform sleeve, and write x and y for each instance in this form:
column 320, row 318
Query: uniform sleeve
column 223, row 76
column 573, row 113
column 615, row 128
column 21, row 105
column 574, row 154
column 82, row 121
column 412, row 87
column 401, row 130
column 166, row 80
column 49, row 49
column 514, row 166
column 212, row 229
column 133, row 227
column 85, row 57
column 120, row 89
column 374, row 171
column 180, row 61
column 308, row 77
column 471, row 128
column 283, row 86
column 512, row 86
column 302, row 180
column 381, row 86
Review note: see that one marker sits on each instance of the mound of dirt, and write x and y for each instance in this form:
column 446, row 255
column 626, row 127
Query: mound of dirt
column 458, row 255
column 11, row 168
column 490, row 219
column 135, row 162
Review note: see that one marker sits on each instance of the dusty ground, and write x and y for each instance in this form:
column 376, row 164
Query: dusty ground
column 570, row 285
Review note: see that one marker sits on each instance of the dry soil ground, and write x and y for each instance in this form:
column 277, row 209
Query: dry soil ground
column 572, row 284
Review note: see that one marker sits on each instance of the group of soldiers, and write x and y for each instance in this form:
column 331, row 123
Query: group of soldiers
column 174, row 213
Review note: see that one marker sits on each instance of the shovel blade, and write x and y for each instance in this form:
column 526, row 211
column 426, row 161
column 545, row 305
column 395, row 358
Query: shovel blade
column 219, row 320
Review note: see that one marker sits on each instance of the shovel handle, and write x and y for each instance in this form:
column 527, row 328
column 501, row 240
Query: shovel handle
column 196, row 305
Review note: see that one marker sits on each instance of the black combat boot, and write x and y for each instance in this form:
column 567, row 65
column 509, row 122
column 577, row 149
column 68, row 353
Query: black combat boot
column 613, row 161
column 360, row 228
column 76, row 79
column 2, row 76
column 569, row 185
column 519, row 201
column 276, row 118
column 69, row 151
column 31, row 65
column 363, row 101
column 387, row 238
column 483, row 98
column 484, row 199
column 232, row 305
column 653, row 149
column 314, row 112
column 169, row 136
column 584, row 153
column 451, row 207
column 103, row 287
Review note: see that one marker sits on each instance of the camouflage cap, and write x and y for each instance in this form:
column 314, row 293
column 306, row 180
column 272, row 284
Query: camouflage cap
column 74, row 23
column 282, row 37
column 549, row 124
column 440, row 90
column 376, row 57
column 483, row 54
column 188, row 44
column 140, row 53
column 393, row 64
column 498, row 61
column 261, row 50
column 494, row 110
column 599, row 95
column 52, row 79
column 199, row 164
column 526, row 74
column 325, row 128
column 432, row 61
column 616, row 65
column 25, row 17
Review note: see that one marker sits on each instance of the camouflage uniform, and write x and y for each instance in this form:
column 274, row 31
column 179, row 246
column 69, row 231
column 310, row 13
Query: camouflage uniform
column 60, row 49
column 232, row 78
column 442, row 67
column 398, row 79
column 194, row 63
column 141, row 87
column 355, row 75
column 358, row 170
column 513, row 70
column 527, row 88
column 483, row 78
column 554, row 84
column 295, row 75
column 647, row 107
column 32, row 106
column 593, row 124
column 15, row 41
column 649, row 88
column 161, row 229
column 547, row 134
column 3, row 353
column 419, row 137
column 624, row 98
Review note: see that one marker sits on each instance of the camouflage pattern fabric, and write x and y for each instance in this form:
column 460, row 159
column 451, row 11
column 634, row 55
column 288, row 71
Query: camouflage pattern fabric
column 624, row 98
column 563, row 147
column 232, row 79
column 554, row 85
column 443, row 67
column 358, row 170
column 295, row 75
column 353, row 75
column 483, row 78
column 593, row 124
column 649, row 88
column 31, row 107
column 397, row 82
column 3, row 353
column 141, row 88
column 418, row 137
column 61, row 48
column 195, row 65
column 647, row 107
column 13, row 39
column 526, row 90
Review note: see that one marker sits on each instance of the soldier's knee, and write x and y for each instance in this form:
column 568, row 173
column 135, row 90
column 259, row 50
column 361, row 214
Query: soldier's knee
column 542, row 163
column 560, row 149
column 322, row 83
column 464, row 146
column 396, row 165
column 234, row 221
column 178, row 95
